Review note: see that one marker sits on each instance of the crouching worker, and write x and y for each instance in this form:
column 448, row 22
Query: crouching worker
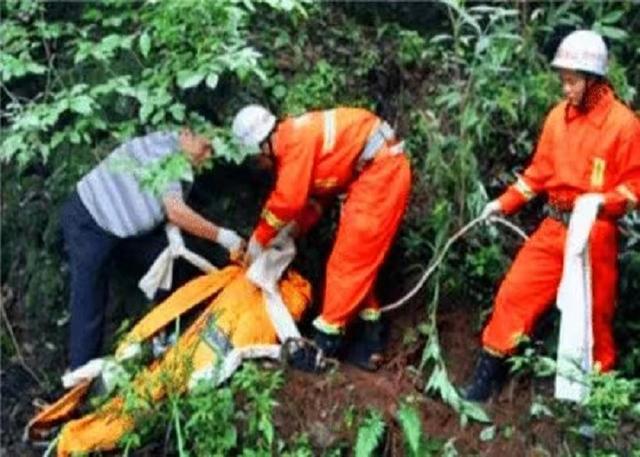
column 317, row 156
column 109, row 212
column 589, row 148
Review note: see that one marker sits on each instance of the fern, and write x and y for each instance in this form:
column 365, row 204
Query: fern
column 369, row 434
column 416, row 442
column 411, row 429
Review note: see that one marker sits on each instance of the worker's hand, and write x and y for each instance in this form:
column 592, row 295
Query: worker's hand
column 229, row 240
column 493, row 208
column 254, row 249
column 237, row 256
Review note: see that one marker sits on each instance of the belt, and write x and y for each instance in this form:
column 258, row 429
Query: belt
column 382, row 136
column 560, row 215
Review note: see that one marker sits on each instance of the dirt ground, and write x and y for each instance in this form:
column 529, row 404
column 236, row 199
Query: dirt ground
column 326, row 399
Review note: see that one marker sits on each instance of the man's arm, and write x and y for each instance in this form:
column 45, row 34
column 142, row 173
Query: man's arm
column 180, row 214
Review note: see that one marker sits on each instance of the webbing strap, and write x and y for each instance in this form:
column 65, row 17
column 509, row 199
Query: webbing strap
column 382, row 135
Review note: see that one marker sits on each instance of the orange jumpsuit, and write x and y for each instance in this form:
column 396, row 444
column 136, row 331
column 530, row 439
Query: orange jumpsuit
column 593, row 152
column 319, row 155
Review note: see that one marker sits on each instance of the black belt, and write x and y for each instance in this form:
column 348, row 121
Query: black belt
column 558, row 214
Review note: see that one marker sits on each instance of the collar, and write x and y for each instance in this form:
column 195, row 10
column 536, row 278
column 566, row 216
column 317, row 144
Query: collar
column 597, row 114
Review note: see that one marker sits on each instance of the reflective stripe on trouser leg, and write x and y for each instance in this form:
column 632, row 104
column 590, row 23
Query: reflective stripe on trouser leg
column 326, row 327
column 371, row 308
column 369, row 220
column 528, row 290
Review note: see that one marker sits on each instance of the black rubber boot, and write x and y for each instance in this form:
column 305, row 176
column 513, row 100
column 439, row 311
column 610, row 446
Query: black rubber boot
column 311, row 358
column 367, row 345
column 488, row 378
column 330, row 344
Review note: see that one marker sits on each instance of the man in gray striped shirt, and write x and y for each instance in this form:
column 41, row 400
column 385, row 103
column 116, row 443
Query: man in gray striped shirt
column 110, row 211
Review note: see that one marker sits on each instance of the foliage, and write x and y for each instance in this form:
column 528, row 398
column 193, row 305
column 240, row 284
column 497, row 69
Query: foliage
column 530, row 361
column 611, row 400
column 135, row 68
column 229, row 420
column 370, row 434
column 416, row 443
column 156, row 176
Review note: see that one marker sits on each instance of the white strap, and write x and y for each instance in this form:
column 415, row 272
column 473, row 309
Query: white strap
column 86, row 372
column 265, row 272
column 575, row 344
column 160, row 275
column 219, row 373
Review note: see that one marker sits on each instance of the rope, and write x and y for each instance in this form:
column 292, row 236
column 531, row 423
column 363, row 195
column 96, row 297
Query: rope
column 440, row 257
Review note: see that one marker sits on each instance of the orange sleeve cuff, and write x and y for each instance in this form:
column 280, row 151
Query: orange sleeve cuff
column 511, row 200
column 264, row 233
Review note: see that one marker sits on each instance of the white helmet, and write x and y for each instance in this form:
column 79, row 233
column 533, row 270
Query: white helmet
column 582, row 50
column 252, row 124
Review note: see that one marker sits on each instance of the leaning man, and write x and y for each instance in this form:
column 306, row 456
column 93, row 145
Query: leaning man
column 109, row 212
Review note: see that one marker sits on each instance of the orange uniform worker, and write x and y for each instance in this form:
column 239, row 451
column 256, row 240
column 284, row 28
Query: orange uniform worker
column 317, row 156
column 590, row 144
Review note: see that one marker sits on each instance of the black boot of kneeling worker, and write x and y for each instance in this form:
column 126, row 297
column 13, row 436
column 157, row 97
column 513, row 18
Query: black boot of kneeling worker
column 367, row 344
column 312, row 358
column 364, row 348
column 488, row 378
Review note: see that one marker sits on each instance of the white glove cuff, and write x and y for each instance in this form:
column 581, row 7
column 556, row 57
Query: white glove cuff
column 229, row 239
column 254, row 249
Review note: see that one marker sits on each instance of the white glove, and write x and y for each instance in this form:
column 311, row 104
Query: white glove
column 229, row 239
column 254, row 249
column 491, row 209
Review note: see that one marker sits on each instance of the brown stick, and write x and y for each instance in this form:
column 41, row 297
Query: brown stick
column 16, row 346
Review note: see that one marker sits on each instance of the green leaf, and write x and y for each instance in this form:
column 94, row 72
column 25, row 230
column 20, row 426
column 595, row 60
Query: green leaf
column 81, row 104
column 612, row 17
column 369, row 434
column 145, row 44
column 212, row 80
column 613, row 32
column 411, row 427
column 474, row 411
column 280, row 91
column 188, row 78
column 177, row 111
column 488, row 433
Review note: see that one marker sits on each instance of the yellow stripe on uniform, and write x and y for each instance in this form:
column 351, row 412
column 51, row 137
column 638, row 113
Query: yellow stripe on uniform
column 329, row 131
column 327, row 183
column 272, row 220
column 522, row 187
column 597, row 173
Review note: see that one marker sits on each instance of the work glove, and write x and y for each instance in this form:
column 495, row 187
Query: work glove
column 254, row 249
column 493, row 208
column 229, row 240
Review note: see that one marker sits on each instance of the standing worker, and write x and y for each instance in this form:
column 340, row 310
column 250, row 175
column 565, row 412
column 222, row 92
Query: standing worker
column 109, row 212
column 590, row 144
column 316, row 156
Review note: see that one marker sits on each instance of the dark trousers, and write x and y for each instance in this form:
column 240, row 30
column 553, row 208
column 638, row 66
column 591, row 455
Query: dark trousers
column 90, row 250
